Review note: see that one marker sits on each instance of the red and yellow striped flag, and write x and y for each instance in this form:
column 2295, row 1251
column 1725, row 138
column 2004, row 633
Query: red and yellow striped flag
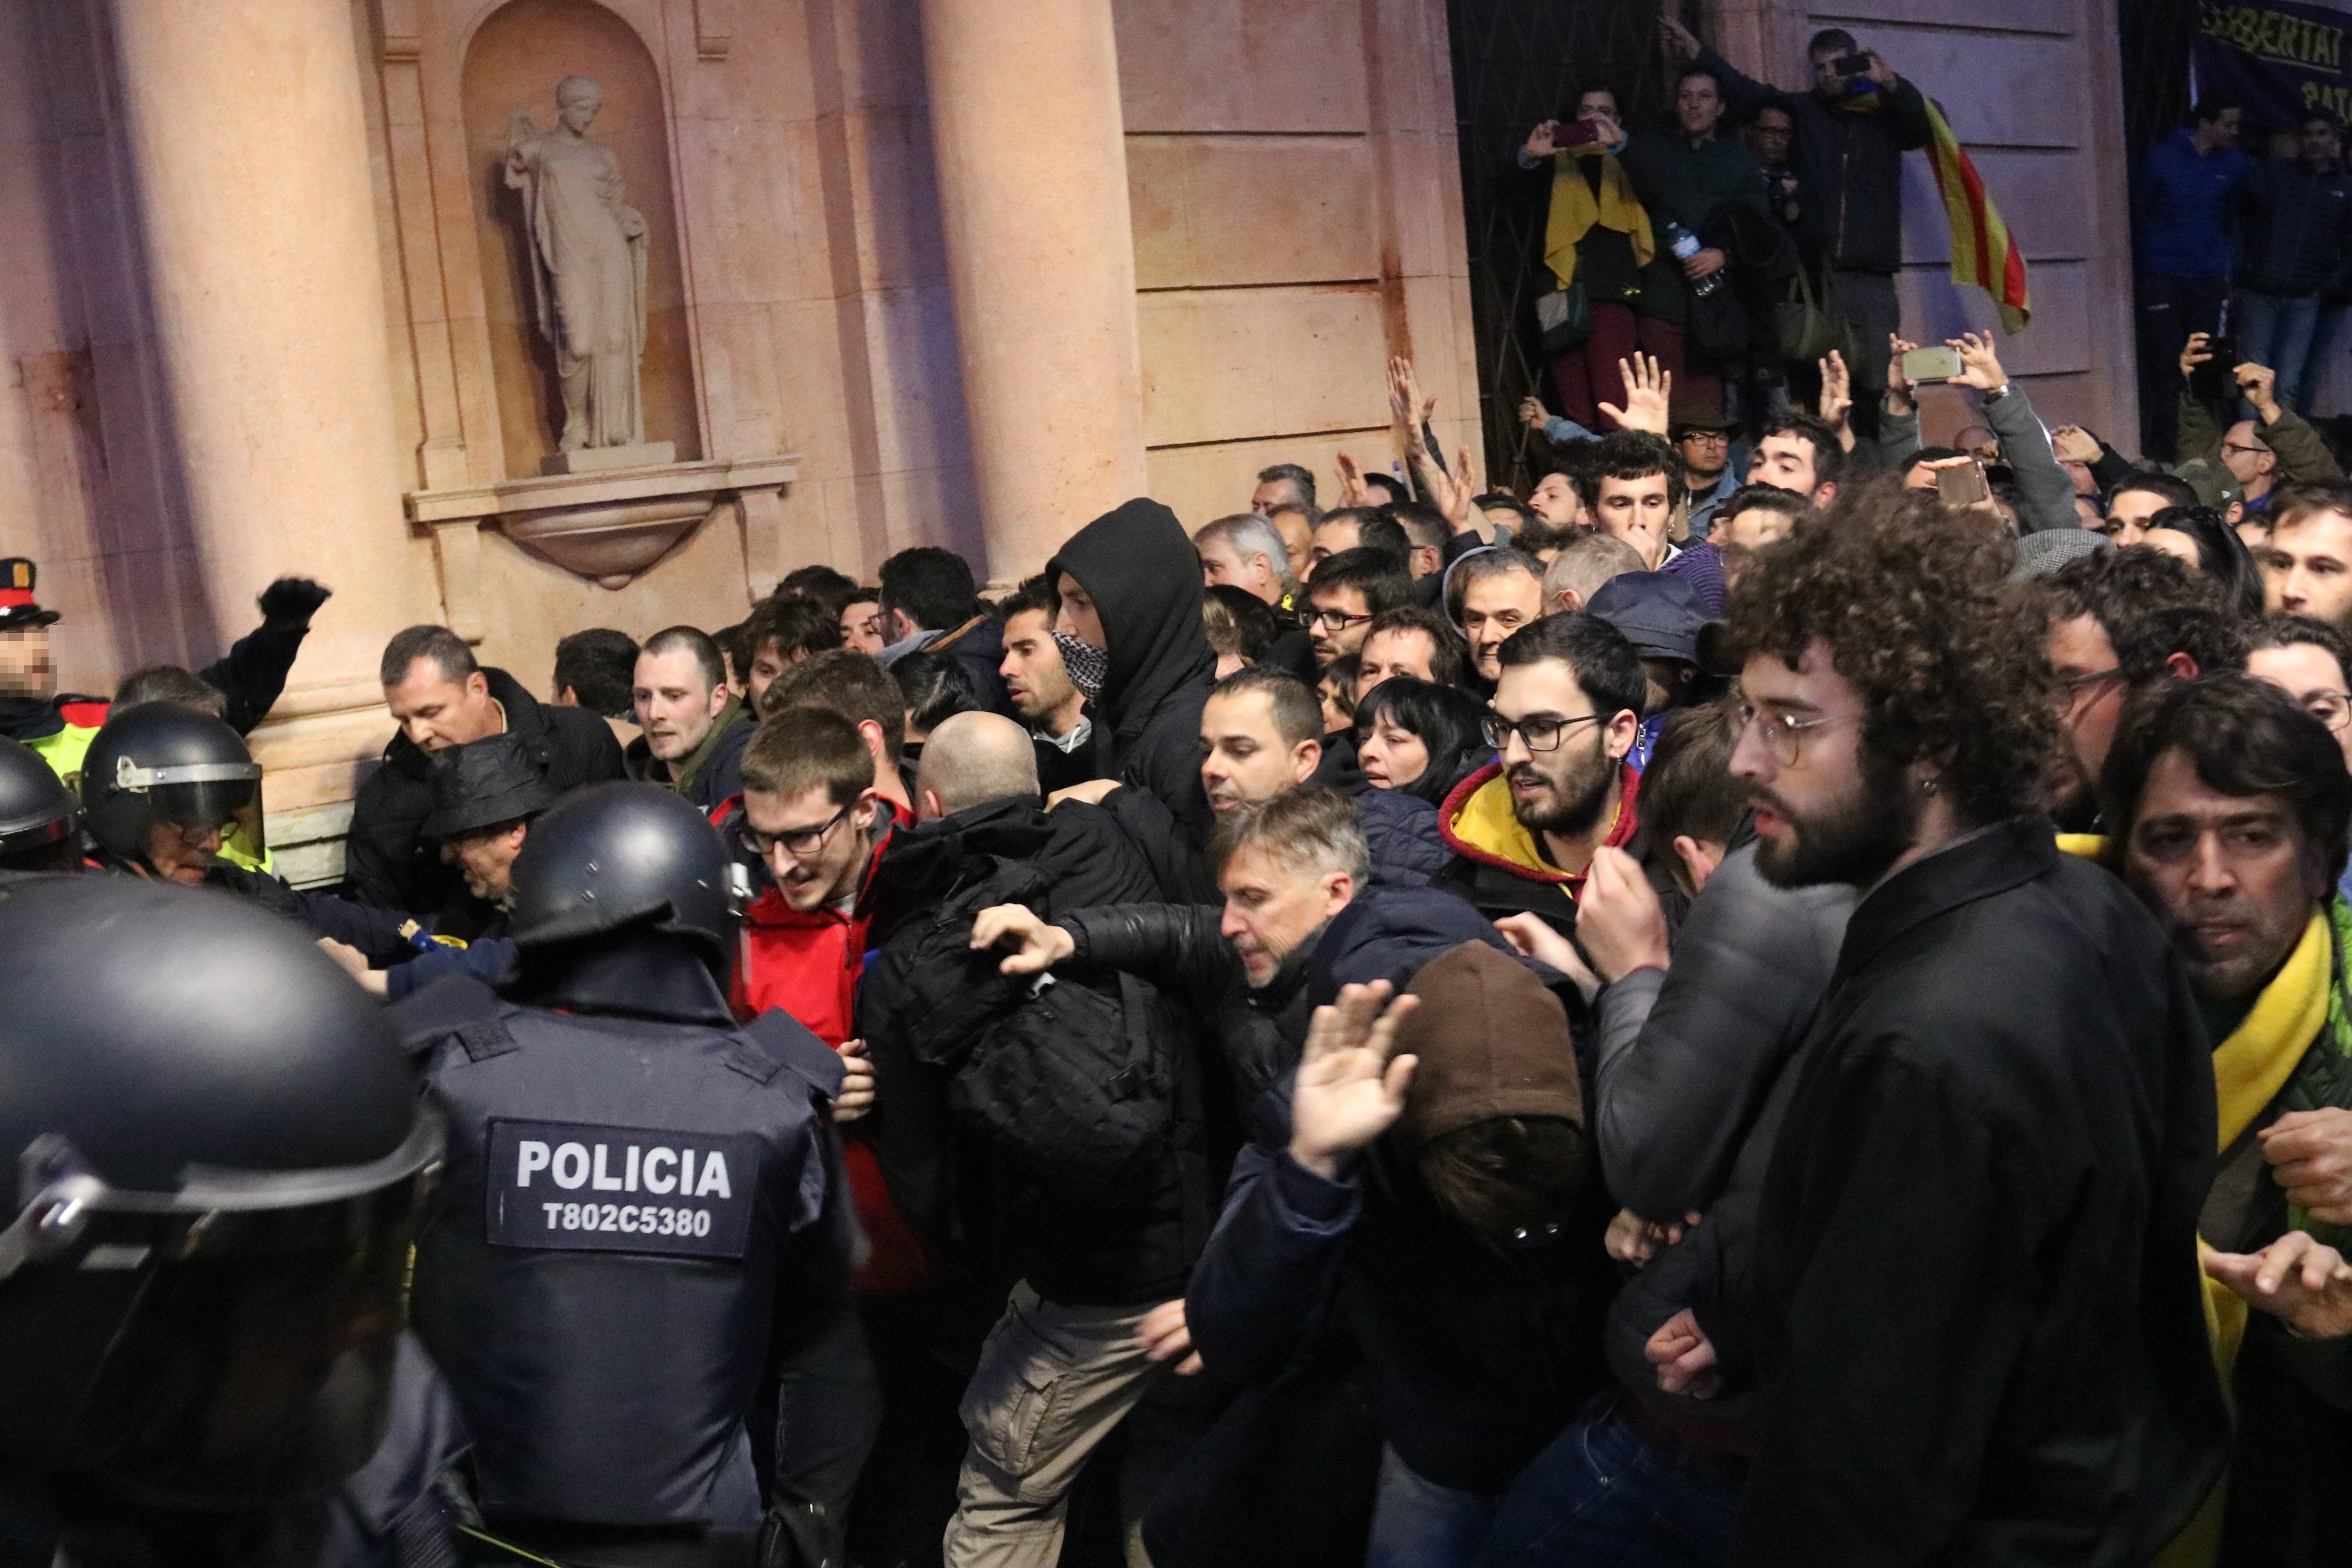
column 1982, row 251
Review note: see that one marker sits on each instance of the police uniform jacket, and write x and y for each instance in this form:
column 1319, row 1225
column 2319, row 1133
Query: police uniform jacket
column 633, row 1213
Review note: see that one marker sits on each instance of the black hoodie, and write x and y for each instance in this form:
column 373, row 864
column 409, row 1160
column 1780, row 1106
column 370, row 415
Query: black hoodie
column 1141, row 569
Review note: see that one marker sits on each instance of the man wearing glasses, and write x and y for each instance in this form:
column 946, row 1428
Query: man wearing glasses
column 1712, row 464
column 1347, row 591
column 1987, row 1174
column 2119, row 620
column 1523, row 828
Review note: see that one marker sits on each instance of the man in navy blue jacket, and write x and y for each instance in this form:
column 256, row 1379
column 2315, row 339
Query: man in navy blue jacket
column 2182, row 199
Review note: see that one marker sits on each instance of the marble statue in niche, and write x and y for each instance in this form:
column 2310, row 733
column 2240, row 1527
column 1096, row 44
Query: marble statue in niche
column 588, row 250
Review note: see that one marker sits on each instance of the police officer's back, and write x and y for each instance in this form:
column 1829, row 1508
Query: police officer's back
column 217, row 1153
column 640, row 1201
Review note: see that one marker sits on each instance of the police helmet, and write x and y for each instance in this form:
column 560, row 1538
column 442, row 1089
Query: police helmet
column 219, row 1153
column 617, row 854
column 39, row 816
column 160, row 762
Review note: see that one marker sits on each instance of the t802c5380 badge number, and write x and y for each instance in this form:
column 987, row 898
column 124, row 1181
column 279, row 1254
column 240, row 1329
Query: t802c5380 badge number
column 564, row 1186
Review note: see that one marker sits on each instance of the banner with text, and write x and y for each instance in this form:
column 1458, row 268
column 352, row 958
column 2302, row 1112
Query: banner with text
column 2278, row 59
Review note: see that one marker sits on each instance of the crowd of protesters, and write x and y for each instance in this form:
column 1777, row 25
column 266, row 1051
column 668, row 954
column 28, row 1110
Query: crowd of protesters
column 1781, row 998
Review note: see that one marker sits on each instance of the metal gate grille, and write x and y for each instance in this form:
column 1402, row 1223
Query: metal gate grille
column 1516, row 62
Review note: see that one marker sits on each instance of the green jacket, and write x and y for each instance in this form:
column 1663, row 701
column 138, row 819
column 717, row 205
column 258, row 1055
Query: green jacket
column 1681, row 183
column 2302, row 455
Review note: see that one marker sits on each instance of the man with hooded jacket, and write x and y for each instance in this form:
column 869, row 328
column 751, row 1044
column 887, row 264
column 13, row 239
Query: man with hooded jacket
column 1131, row 637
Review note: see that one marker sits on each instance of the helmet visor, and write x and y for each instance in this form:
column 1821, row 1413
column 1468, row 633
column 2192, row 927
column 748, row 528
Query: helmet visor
column 202, row 805
column 256, row 1361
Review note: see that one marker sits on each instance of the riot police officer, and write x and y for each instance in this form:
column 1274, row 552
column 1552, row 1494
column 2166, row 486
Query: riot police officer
column 40, row 821
column 162, row 785
column 641, row 1205
column 217, row 1155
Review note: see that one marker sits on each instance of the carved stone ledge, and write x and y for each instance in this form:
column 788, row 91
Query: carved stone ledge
column 607, row 526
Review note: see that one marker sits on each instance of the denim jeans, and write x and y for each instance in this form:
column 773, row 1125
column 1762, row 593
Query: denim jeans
column 1600, row 1497
column 1417, row 1524
column 2276, row 330
column 2325, row 338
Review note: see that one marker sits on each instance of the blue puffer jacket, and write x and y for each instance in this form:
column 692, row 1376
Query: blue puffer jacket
column 1400, row 830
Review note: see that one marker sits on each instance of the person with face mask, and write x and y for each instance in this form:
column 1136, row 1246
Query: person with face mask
column 1131, row 642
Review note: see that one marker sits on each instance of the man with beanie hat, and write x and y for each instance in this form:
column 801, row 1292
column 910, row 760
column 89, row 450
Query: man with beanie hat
column 1131, row 637
column 1436, row 1197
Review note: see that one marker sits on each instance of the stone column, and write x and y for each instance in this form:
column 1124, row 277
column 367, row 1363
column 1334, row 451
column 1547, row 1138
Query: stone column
column 249, row 166
column 1041, row 262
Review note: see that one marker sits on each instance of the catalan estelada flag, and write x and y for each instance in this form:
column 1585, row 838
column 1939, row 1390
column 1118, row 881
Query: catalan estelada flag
column 1982, row 251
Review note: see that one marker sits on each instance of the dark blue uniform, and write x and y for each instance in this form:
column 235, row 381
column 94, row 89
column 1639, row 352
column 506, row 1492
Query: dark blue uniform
column 635, row 1215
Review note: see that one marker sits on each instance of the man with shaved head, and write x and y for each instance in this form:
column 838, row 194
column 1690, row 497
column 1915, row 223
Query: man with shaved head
column 972, row 759
column 985, row 838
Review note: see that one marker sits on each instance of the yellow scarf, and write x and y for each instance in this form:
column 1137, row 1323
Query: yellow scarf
column 1574, row 211
column 2249, row 1069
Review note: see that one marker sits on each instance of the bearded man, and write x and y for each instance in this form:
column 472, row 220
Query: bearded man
column 1973, row 1280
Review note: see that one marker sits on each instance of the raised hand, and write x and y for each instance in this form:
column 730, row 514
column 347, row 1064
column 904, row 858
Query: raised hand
column 1837, row 391
column 1648, row 391
column 1034, row 946
column 2073, row 443
column 2259, row 382
column 2296, row 1280
column 1979, row 366
column 1348, row 1091
column 1353, row 491
column 2194, row 353
column 1619, row 918
column 1898, row 398
column 1680, row 43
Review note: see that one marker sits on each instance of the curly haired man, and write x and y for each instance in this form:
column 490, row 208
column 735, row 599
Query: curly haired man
column 1974, row 1312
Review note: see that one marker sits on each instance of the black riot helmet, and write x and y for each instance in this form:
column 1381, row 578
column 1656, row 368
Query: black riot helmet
column 213, row 1152
column 620, row 855
column 39, row 818
column 159, row 763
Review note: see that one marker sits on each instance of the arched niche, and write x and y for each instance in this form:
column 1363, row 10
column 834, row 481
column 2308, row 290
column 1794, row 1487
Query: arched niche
column 514, row 61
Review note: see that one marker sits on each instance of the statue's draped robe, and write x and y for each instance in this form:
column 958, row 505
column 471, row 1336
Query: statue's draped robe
column 588, row 278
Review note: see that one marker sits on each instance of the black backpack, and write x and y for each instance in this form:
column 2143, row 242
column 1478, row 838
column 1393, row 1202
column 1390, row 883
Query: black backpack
column 1070, row 1085
column 1074, row 1089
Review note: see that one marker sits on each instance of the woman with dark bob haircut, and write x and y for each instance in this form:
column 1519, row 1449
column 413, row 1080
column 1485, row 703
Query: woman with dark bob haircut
column 1423, row 738
column 2197, row 537
column 1415, row 741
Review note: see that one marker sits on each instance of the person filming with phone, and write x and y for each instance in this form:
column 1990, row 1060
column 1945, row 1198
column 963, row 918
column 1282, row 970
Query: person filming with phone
column 2251, row 460
column 1852, row 130
column 1597, row 240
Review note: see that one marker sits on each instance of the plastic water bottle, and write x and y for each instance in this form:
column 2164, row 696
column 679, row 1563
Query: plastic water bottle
column 1684, row 244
